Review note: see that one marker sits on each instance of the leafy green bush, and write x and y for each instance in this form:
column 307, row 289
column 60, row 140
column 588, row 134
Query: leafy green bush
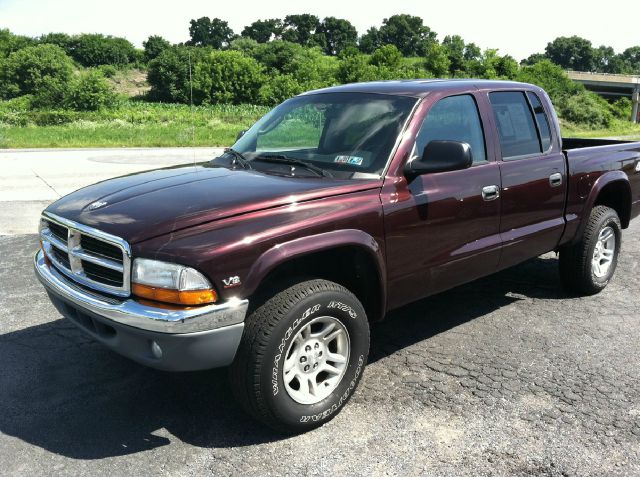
column 551, row 78
column 90, row 92
column 352, row 69
column 227, row 77
column 109, row 71
column 34, row 70
column 279, row 88
column 96, row 49
column 168, row 74
column 621, row 108
column 51, row 92
column 387, row 55
column 586, row 109
column 436, row 60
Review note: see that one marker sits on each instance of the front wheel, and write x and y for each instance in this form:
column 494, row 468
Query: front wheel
column 587, row 266
column 302, row 355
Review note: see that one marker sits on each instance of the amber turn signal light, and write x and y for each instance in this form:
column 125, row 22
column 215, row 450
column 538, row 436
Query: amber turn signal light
column 187, row 297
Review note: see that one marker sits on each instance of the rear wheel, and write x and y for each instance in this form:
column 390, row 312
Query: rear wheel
column 587, row 266
column 301, row 356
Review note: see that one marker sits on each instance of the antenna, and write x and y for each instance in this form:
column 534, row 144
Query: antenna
column 193, row 120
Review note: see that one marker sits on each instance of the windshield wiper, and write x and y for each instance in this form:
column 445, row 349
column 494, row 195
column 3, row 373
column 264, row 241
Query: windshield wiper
column 238, row 158
column 281, row 159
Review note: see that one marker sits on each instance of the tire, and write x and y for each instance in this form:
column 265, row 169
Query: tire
column 287, row 329
column 578, row 272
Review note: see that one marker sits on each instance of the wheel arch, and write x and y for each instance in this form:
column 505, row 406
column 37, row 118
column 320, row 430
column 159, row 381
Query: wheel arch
column 611, row 189
column 349, row 257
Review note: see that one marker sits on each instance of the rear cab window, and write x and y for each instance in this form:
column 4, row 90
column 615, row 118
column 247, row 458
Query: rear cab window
column 523, row 127
column 541, row 120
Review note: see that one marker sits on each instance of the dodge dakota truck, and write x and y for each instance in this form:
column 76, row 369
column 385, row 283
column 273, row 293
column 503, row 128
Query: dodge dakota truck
column 337, row 206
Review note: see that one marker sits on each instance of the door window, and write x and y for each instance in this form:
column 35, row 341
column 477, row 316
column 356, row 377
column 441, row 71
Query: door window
column 454, row 118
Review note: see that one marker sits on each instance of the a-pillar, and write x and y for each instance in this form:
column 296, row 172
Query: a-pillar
column 636, row 101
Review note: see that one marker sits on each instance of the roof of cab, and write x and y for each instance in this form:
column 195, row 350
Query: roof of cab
column 421, row 87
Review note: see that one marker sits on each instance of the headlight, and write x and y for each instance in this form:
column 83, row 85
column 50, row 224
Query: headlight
column 170, row 283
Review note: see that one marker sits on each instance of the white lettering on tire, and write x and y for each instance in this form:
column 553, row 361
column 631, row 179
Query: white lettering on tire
column 281, row 348
column 343, row 307
column 327, row 412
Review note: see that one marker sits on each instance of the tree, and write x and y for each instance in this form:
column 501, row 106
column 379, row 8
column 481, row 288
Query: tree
column 301, row 29
column 308, row 66
column 631, row 59
column 436, row 60
column 336, row 34
column 573, row 53
column 472, row 52
column 210, row 32
column 408, row 33
column 10, row 42
column 263, row 31
column 533, row 59
column 602, row 59
column 154, row 45
column 95, row 49
column 506, row 67
column 454, row 49
column 371, row 40
column 247, row 46
column 277, row 56
column 64, row 41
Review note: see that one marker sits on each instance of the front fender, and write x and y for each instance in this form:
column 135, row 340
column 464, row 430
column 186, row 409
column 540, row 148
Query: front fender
column 281, row 253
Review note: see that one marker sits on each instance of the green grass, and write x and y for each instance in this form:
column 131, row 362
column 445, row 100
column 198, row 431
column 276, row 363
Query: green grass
column 132, row 124
column 140, row 124
column 619, row 128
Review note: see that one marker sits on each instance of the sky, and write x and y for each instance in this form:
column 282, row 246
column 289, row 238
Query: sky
column 515, row 28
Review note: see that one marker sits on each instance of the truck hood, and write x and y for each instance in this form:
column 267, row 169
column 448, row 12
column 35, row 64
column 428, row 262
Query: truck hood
column 140, row 206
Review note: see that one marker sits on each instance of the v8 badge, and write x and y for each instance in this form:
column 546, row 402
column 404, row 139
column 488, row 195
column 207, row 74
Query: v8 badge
column 231, row 282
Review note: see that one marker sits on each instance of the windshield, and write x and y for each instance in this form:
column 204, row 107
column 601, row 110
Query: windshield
column 347, row 135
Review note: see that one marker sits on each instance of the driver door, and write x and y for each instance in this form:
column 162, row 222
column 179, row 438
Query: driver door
column 446, row 230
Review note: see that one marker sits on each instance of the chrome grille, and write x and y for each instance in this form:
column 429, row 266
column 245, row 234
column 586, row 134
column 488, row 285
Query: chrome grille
column 86, row 255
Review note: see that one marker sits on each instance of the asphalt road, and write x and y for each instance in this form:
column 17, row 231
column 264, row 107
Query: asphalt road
column 504, row 376
column 30, row 179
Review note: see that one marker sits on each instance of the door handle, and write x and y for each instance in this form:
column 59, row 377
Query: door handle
column 491, row 192
column 555, row 180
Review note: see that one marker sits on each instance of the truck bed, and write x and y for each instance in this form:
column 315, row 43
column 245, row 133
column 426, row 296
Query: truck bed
column 577, row 142
column 587, row 161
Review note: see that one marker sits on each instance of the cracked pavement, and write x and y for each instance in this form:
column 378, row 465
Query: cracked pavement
column 505, row 376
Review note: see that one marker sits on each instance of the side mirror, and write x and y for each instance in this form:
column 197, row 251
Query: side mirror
column 240, row 134
column 441, row 156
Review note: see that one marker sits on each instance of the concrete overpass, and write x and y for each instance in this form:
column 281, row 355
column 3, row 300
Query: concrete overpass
column 612, row 85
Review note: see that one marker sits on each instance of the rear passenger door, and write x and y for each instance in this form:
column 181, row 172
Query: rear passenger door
column 532, row 168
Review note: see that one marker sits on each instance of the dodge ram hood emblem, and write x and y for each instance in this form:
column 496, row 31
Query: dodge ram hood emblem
column 96, row 205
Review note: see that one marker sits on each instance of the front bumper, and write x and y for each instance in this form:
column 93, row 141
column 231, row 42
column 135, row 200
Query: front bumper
column 176, row 340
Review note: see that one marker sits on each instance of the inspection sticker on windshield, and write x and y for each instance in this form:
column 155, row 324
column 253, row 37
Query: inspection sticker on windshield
column 355, row 160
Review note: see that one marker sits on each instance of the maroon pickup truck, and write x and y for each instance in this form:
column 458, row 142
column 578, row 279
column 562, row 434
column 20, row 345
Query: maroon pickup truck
column 336, row 207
